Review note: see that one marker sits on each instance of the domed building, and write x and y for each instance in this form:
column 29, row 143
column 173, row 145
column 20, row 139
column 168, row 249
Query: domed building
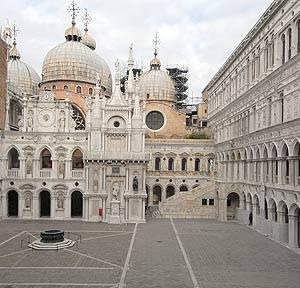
column 156, row 84
column 158, row 89
column 73, row 67
column 22, row 78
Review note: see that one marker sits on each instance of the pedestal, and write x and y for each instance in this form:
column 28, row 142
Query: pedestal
column 115, row 212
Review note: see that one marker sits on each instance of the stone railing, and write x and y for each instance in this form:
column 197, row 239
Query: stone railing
column 118, row 156
column 77, row 174
column 188, row 204
column 45, row 173
column 13, row 173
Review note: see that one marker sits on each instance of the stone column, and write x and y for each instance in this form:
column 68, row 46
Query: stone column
column 54, row 170
column 293, row 231
column 280, row 172
column 52, row 208
column 36, row 168
column 20, row 205
column 254, row 214
column 68, row 169
column 35, row 207
column 22, row 170
column 296, row 171
column 292, row 171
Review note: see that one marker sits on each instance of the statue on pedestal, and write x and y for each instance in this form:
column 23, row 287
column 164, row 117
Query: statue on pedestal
column 135, row 184
column 115, row 191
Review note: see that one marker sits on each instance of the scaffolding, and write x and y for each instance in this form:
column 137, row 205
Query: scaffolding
column 180, row 77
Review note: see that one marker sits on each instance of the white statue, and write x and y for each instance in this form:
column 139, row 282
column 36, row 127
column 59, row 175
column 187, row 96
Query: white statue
column 60, row 201
column 115, row 191
column 28, row 202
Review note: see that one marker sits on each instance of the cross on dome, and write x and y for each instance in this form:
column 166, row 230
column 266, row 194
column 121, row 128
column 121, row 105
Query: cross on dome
column 73, row 9
column 156, row 42
column 86, row 19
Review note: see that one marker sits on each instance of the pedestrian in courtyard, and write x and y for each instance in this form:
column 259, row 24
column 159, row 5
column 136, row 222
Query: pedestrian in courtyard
column 250, row 218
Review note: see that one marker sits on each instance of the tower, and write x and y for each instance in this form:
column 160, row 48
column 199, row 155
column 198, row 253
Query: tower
column 116, row 160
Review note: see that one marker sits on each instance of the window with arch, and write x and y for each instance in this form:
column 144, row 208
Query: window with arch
column 66, row 87
column 78, row 89
column 157, row 164
column 298, row 42
column 197, row 164
column 90, row 91
column 77, row 160
column 183, row 164
column 170, row 191
column 53, row 87
column 13, row 159
column 171, row 164
column 183, row 188
column 78, row 119
column 283, row 48
column 290, row 43
column 46, row 162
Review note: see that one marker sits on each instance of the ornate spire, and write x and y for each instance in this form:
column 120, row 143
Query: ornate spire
column 130, row 72
column 73, row 9
column 155, row 62
column 116, row 98
column 86, row 19
column 14, row 53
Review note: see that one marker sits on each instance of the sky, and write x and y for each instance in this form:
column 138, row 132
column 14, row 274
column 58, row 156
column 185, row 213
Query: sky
column 198, row 34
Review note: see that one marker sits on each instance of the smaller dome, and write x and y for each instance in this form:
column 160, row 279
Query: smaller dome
column 157, row 85
column 88, row 41
column 14, row 52
column 73, row 33
column 155, row 63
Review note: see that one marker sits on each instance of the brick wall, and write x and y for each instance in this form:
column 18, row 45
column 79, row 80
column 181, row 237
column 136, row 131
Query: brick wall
column 3, row 76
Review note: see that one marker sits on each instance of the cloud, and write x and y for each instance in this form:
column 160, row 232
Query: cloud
column 200, row 34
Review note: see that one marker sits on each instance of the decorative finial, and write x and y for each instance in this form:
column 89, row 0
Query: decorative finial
column 156, row 42
column 73, row 9
column 86, row 19
column 15, row 32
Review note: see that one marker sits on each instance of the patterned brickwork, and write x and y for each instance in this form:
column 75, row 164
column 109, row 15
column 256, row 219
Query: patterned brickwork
column 3, row 73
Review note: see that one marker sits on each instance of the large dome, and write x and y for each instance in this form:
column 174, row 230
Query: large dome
column 74, row 61
column 156, row 84
column 21, row 78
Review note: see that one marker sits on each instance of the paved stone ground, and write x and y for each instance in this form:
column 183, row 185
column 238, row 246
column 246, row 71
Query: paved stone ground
column 185, row 253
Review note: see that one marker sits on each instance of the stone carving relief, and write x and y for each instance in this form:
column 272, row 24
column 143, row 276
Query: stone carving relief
column 135, row 184
column 62, row 121
column 60, row 201
column 28, row 201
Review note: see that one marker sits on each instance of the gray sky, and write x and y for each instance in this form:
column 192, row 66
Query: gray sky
column 199, row 34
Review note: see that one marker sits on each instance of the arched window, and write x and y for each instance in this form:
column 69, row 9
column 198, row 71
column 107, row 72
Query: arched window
column 78, row 119
column 77, row 160
column 66, row 87
column 283, row 48
column 298, row 44
column 171, row 164
column 156, row 195
column 13, row 159
column 90, row 91
column 157, row 164
column 53, row 87
column 197, row 164
column 170, row 191
column 183, row 188
column 290, row 43
column 46, row 161
column 78, row 89
column 183, row 164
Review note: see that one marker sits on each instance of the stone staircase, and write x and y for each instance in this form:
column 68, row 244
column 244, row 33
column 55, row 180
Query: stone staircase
column 189, row 204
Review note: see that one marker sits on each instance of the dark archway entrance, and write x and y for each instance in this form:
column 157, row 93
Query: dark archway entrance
column 13, row 203
column 76, row 204
column 233, row 201
column 45, row 204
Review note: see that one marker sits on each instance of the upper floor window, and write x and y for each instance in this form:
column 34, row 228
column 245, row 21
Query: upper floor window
column 77, row 159
column 66, row 87
column 90, row 91
column 46, row 161
column 78, row 89
column 298, row 44
column 183, row 164
column 283, row 48
column 13, row 159
column 290, row 43
column 157, row 164
column 53, row 87
column 197, row 164
column 171, row 164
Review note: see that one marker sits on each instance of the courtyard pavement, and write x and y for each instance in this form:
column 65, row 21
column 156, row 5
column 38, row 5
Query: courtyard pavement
column 161, row 253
